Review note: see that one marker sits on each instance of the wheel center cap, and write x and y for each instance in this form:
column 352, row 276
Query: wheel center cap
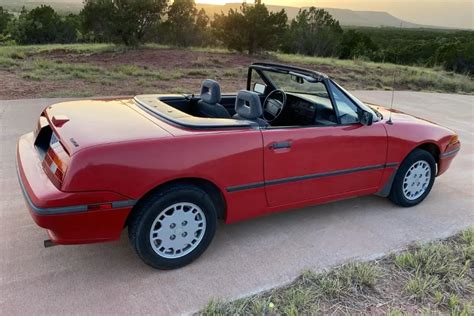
column 178, row 231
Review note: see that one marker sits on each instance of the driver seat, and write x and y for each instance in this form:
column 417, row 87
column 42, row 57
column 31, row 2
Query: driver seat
column 209, row 105
column 248, row 107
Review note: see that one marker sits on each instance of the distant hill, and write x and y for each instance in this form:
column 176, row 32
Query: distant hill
column 346, row 17
column 63, row 6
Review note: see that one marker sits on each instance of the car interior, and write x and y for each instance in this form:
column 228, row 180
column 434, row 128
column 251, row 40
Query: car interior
column 281, row 108
column 276, row 99
column 245, row 105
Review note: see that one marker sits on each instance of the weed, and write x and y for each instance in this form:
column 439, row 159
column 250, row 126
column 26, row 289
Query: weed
column 18, row 55
column 363, row 74
column 70, row 93
column 360, row 275
column 213, row 308
column 377, row 287
column 7, row 63
column 395, row 312
column 32, row 63
column 130, row 70
column 439, row 297
column 420, row 286
column 199, row 73
column 467, row 236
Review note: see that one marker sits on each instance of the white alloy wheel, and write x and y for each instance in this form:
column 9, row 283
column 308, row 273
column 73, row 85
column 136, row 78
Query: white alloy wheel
column 416, row 180
column 177, row 230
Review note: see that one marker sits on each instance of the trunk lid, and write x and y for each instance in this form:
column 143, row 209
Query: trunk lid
column 87, row 123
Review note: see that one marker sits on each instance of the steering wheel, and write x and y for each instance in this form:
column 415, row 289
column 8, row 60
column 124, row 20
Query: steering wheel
column 273, row 105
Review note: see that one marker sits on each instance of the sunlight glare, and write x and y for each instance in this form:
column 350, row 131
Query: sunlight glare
column 221, row 2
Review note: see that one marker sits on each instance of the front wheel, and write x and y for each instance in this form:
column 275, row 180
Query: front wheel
column 173, row 227
column 414, row 179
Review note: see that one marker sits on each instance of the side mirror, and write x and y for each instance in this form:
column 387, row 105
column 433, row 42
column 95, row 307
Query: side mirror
column 365, row 118
column 259, row 88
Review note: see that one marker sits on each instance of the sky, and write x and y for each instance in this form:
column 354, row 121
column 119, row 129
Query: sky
column 450, row 13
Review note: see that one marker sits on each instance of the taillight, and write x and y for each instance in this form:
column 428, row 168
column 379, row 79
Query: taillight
column 56, row 161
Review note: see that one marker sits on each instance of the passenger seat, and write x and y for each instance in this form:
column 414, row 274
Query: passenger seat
column 209, row 105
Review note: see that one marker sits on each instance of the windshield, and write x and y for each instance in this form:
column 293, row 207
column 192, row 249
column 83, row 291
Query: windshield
column 292, row 82
column 359, row 102
column 299, row 83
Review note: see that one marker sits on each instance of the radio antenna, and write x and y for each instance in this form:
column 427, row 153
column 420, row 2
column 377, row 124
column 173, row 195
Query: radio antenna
column 393, row 95
column 393, row 91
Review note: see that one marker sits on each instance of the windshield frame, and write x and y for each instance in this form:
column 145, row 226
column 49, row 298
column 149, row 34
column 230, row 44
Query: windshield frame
column 357, row 102
column 261, row 68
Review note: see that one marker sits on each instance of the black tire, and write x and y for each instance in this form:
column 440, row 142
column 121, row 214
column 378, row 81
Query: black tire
column 396, row 194
column 147, row 211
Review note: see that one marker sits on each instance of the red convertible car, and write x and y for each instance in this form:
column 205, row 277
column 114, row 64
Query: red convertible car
column 168, row 167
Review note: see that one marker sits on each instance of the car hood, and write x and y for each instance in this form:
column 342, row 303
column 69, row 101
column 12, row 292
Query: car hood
column 86, row 123
column 399, row 116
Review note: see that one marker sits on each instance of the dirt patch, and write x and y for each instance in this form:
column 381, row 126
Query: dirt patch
column 186, row 70
column 69, row 73
column 14, row 87
column 155, row 58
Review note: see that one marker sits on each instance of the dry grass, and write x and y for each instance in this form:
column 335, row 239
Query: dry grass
column 380, row 76
column 47, row 65
column 434, row 278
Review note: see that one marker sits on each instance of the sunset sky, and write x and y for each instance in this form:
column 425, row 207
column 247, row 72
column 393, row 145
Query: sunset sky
column 453, row 13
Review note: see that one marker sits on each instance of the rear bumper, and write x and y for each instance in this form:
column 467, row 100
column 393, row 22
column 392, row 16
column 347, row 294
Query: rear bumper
column 70, row 218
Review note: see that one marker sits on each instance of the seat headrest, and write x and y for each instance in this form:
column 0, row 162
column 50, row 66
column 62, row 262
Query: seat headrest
column 253, row 110
column 210, row 91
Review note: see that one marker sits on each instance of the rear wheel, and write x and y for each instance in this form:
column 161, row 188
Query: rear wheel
column 173, row 227
column 414, row 179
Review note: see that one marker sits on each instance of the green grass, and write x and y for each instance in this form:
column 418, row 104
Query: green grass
column 381, row 76
column 21, row 52
column 202, row 73
column 424, row 279
column 8, row 62
column 70, row 93
column 33, row 63
column 439, row 266
column 303, row 296
column 43, row 70
column 421, row 286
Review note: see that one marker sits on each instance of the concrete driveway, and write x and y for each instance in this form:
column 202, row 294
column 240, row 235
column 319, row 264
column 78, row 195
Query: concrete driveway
column 244, row 258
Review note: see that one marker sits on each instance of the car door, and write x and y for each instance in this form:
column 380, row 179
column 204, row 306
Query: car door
column 316, row 162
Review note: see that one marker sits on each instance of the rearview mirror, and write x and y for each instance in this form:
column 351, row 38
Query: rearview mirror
column 259, row 88
column 365, row 118
column 297, row 79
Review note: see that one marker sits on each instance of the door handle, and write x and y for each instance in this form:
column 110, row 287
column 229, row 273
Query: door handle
column 280, row 145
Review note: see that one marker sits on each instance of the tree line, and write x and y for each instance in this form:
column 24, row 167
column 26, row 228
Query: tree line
column 252, row 28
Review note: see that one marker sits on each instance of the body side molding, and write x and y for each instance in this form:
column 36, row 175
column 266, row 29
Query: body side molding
column 309, row 176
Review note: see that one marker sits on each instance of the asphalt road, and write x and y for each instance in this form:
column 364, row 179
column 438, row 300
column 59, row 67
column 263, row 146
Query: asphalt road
column 244, row 257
